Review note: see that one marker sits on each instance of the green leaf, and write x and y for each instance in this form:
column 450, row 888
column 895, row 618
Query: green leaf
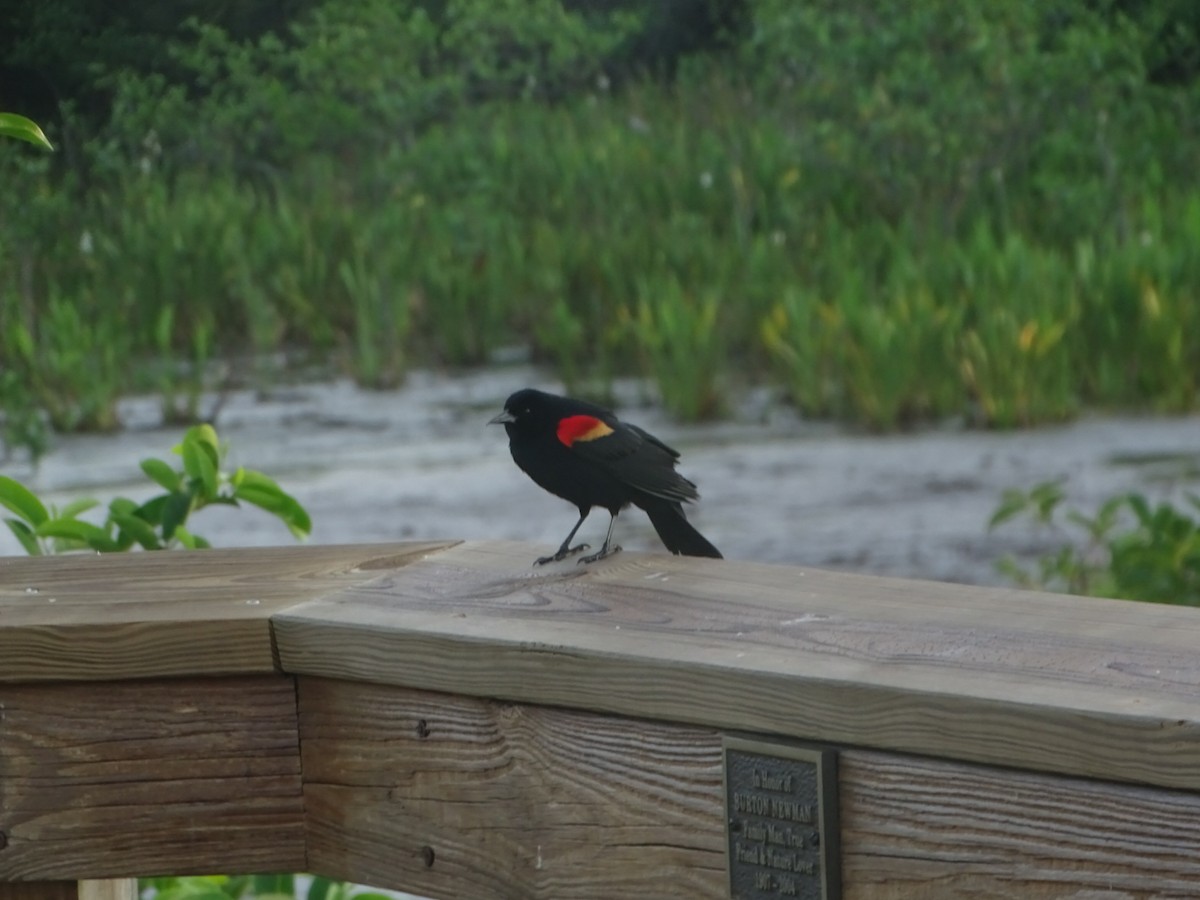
column 76, row 530
column 272, row 501
column 19, row 499
column 73, row 509
column 1106, row 517
column 1012, row 503
column 152, row 510
column 262, row 491
column 1096, row 527
column 325, row 889
column 199, row 465
column 192, row 889
column 136, row 529
column 175, row 512
column 25, row 535
column 244, row 477
column 282, row 506
column 238, row 886
column 273, row 884
column 15, row 126
column 205, row 436
column 1046, row 497
column 190, row 541
column 161, row 473
column 123, row 506
column 1140, row 507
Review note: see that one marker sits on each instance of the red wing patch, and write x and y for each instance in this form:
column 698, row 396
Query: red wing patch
column 581, row 428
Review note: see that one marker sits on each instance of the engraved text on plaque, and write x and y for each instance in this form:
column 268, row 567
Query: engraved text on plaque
column 781, row 813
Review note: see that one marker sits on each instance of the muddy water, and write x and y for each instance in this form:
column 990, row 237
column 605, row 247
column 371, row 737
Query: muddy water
column 420, row 463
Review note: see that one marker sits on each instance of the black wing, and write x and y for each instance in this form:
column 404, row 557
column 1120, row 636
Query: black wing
column 638, row 459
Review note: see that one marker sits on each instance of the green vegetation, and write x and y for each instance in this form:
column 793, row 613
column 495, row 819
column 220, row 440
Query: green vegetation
column 1127, row 548
column 896, row 213
column 159, row 523
column 244, row 887
column 23, row 129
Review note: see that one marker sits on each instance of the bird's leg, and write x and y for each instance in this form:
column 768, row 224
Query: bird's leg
column 566, row 549
column 609, row 547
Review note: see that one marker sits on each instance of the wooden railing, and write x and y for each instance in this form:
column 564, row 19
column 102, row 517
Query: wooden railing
column 444, row 719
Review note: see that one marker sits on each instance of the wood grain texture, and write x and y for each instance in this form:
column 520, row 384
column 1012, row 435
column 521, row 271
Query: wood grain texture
column 1106, row 689
column 525, row 802
column 105, row 889
column 504, row 801
column 136, row 615
column 917, row 829
column 39, row 890
column 114, row 779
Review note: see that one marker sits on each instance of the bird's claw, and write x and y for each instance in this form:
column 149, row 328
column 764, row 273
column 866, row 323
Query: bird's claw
column 563, row 553
column 604, row 551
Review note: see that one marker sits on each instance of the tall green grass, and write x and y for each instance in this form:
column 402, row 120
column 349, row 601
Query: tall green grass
column 889, row 233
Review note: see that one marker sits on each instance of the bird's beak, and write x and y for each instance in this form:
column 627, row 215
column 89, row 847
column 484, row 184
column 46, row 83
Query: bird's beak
column 505, row 416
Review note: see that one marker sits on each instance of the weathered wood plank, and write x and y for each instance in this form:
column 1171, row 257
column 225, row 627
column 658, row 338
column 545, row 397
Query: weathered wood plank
column 136, row 615
column 39, row 890
column 461, row 797
column 108, row 889
column 113, row 779
column 918, row 829
column 1063, row 684
column 457, row 797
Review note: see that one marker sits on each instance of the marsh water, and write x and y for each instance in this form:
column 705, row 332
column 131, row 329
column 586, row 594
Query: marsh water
column 420, row 462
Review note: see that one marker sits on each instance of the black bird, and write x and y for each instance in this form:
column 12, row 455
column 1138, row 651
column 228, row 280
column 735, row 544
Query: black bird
column 583, row 453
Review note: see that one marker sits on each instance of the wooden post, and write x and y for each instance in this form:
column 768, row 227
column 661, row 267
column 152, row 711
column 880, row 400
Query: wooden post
column 179, row 776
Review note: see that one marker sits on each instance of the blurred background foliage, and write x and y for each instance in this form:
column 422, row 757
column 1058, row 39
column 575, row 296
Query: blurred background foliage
column 893, row 212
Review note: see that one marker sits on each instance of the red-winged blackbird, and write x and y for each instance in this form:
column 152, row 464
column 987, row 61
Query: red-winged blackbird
column 583, row 453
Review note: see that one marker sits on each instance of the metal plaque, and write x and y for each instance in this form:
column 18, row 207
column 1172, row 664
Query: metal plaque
column 781, row 819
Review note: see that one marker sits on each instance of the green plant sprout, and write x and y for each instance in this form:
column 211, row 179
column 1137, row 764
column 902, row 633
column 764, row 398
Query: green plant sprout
column 159, row 523
column 1129, row 548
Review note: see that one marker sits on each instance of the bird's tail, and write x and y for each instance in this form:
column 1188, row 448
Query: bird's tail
column 674, row 529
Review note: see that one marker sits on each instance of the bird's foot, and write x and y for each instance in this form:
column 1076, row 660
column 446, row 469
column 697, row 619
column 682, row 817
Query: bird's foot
column 604, row 551
column 563, row 553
